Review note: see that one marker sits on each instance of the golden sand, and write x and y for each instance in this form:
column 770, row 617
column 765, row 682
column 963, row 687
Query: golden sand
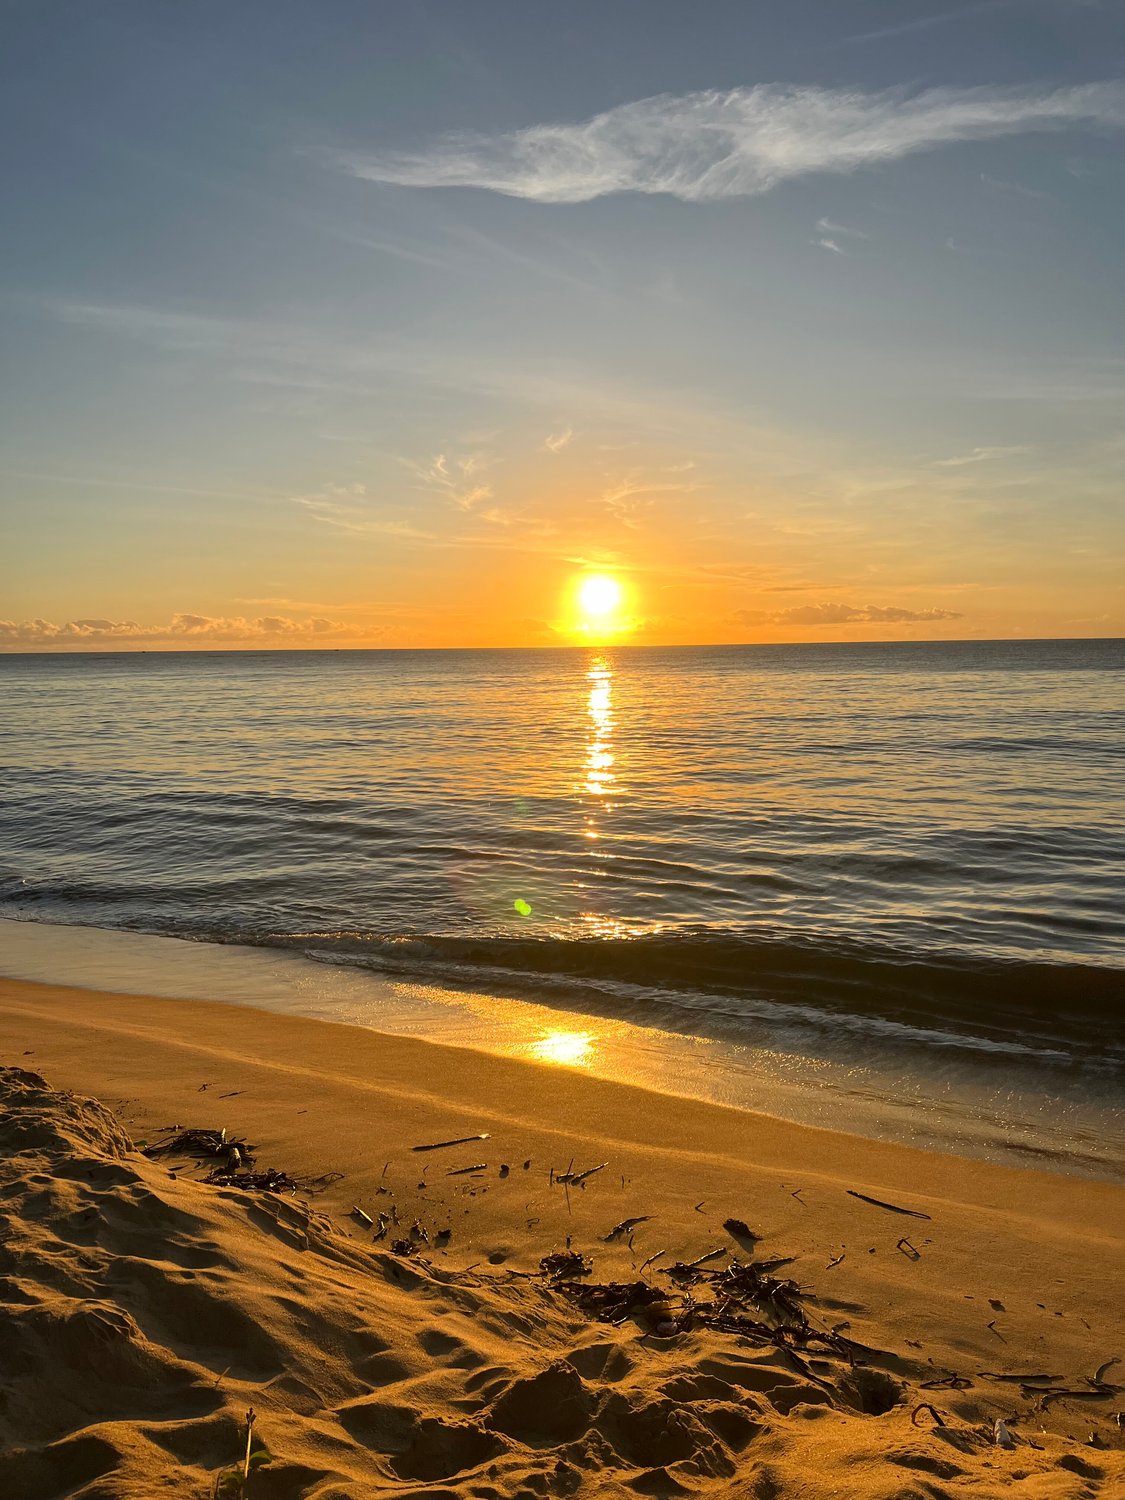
column 145, row 1311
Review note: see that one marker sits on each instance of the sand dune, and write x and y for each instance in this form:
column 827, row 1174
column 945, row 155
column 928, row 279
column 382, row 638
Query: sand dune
column 144, row 1311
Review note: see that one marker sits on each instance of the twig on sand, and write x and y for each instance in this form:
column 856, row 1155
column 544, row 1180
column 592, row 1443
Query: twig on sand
column 626, row 1227
column 576, row 1179
column 701, row 1260
column 939, row 1420
column 837, row 1261
column 908, row 1249
column 947, row 1383
column 645, row 1264
column 250, row 1415
column 893, row 1208
column 481, row 1166
column 462, row 1140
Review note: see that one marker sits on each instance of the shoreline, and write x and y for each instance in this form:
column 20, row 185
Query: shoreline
column 992, row 1113
column 318, row 1097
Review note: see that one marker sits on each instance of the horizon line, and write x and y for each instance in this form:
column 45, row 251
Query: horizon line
column 945, row 640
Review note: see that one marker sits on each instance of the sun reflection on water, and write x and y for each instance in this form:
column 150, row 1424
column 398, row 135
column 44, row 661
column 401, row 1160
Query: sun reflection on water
column 569, row 1049
column 599, row 749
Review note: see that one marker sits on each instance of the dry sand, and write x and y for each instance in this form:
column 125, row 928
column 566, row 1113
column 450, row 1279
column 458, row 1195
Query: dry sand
column 144, row 1311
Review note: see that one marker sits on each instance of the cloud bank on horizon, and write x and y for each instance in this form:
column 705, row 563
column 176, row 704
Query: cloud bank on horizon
column 180, row 630
column 710, row 145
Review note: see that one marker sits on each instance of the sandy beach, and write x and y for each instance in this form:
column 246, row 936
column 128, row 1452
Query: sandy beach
column 146, row 1311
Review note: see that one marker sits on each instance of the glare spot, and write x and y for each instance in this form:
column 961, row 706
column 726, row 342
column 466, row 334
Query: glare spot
column 570, row 1049
column 522, row 906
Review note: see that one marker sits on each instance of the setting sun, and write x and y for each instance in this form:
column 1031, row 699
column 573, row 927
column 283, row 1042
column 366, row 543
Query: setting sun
column 599, row 596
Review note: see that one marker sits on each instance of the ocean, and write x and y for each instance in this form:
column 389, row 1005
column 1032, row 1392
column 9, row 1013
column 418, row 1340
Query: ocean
column 843, row 850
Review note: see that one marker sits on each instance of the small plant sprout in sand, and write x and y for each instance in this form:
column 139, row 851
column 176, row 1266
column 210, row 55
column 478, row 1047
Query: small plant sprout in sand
column 234, row 1484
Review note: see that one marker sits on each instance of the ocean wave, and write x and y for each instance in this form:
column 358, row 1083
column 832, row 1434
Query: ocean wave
column 723, row 980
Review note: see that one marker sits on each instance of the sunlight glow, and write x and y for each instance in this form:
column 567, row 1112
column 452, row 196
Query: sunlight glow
column 599, row 596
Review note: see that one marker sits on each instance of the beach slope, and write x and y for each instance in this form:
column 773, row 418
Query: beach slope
column 144, row 1311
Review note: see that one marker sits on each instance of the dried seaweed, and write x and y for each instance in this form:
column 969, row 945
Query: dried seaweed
column 744, row 1299
column 562, row 1263
column 203, row 1145
column 269, row 1181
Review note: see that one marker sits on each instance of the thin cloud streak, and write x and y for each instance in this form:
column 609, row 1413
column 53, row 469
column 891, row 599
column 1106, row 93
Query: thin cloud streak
column 924, row 23
column 706, row 146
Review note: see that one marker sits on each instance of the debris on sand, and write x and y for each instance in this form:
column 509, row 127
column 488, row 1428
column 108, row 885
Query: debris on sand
column 563, row 1263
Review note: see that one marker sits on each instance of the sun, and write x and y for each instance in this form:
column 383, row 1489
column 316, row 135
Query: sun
column 599, row 597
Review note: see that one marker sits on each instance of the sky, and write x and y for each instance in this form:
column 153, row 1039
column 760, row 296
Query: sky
column 330, row 323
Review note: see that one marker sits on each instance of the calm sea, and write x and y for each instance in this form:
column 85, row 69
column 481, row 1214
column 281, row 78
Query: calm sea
column 926, row 840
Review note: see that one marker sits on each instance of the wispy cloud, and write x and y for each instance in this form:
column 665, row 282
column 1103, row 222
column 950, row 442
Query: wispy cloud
column 829, row 226
column 455, row 478
column 826, row 244
column 555, row 442
column 1001, row 185
column 305, row 357
column 843, row 614
column 982, row 456
column 623, row 499
column 924, row 23
column 711, row 145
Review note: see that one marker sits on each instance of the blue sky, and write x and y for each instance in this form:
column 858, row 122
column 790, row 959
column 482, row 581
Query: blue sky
column 339, row 323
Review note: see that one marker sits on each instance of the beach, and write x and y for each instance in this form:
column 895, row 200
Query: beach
column 148, row 1310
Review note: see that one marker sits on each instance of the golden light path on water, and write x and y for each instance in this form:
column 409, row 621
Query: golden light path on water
column 599, row 752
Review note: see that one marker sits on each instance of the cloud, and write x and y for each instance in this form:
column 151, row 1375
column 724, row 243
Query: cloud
column 555, row 442
column 826, row 244
column 829, row 226
column 981, row 456
column 180, row 630
column 453, row 477
column 923, row 23
column 843, row 614
column 1000, row 185
column 621, row 501
column 710, row 145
